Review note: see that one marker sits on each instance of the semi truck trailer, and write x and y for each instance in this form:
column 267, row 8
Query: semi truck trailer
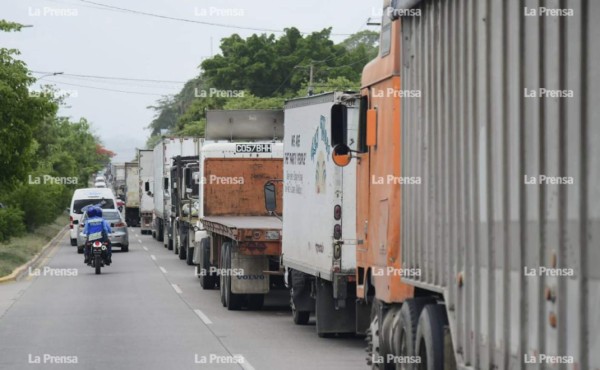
column 239, row 246
column 478, row 221
column 146, row 188
column 319, row 203
column 164, row 152
column 132, row 195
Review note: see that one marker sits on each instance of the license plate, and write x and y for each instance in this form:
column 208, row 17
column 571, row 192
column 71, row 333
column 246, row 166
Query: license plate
column 253, row 148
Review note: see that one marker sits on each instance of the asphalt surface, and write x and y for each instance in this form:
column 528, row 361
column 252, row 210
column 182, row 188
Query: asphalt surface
column 148, row 311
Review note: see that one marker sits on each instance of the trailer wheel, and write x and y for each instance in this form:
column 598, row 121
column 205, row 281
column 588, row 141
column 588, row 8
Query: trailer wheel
column 300, row 317
column 430, row 337
column 183, row 249
column 375, row 352
column 207, row 281
column 232, row 300
column 404, row 328
column 160, row 232
column 189, row 258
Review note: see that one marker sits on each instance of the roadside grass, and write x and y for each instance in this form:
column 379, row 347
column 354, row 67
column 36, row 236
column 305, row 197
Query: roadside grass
column 20, row 250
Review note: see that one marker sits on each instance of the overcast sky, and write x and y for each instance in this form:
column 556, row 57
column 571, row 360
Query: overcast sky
column 78, row 37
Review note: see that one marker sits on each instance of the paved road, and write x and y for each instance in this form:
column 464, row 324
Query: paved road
column 147, row 311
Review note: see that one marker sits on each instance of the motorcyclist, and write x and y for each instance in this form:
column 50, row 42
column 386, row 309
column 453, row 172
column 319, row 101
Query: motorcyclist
column 96, row 228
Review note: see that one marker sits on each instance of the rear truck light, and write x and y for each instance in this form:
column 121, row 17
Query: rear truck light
column 70, row 222
column 337, row 232
column 337, row 250
column 120, row 224
column 337, row 212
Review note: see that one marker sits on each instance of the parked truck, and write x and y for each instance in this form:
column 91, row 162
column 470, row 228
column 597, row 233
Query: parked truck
column 146, row 188
column 118, row 184
column 185, row 204
column 239, row 246
column 164, row 152
column 478, row 221
column 132, row 194
column 319, row 202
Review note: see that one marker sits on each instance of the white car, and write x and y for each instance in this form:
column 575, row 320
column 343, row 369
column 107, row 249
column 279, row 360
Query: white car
column 99, row 184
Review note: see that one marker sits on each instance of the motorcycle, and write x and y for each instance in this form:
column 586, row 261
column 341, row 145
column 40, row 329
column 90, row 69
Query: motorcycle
column 98, row 255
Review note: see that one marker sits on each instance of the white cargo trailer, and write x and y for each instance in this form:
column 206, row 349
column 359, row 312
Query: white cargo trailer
column 319, row 202
column 146, row 186
column 132, row 196
column 164, row 152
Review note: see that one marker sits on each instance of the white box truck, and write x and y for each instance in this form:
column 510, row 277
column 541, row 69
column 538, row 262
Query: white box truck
column 319, row 202
column 164, row 152
column 132, row 196
column 146, row 188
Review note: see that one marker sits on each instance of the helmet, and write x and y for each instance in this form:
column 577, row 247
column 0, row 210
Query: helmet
column 94, row 211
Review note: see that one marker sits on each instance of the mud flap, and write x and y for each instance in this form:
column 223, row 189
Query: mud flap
column 329, row 318
column 247, row 274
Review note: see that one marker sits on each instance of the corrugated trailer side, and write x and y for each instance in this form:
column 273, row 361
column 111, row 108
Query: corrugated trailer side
column 478, row 228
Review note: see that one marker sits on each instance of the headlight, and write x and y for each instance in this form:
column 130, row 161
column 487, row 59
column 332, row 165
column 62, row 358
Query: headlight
column 272, row 235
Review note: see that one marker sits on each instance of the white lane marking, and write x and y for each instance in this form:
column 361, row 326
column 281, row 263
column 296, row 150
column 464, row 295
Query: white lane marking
column 137, row 235
column 140, row 241
column 244, row 363
column 145, row 248
column 177, row 288
column 162, row 269
column 153, row 257
column 203, row 317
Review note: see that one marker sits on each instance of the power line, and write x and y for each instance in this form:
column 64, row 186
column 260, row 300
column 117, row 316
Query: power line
column 106, row 89
column 111, row 7
column 114, row 78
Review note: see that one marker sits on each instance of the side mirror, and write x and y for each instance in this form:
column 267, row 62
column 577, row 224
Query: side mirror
column 341, row 155
column 339, row 124
column 270, row 197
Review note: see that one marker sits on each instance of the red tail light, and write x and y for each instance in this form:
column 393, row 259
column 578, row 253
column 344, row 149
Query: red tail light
column 120, row 224
column 70, row 222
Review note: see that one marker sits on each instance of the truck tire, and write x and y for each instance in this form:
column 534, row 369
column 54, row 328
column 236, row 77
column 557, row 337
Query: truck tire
column 404, row 329
column 189, row 258
column 300, row 317
column 375, row 352
column 73, row 242
column 183, row 247
column 232, row 300
column 207, row 280
column 159, row 231
column 429, row 341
